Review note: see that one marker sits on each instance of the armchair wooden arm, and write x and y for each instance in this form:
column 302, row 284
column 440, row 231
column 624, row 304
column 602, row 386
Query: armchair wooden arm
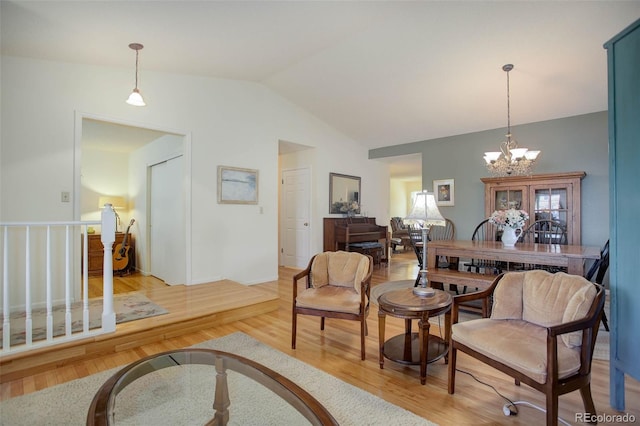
column 485, row 295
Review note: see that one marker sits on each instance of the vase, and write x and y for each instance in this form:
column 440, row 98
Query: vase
column 509, row 237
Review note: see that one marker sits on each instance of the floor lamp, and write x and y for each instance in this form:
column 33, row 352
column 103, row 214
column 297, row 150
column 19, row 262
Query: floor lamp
column 425, row 212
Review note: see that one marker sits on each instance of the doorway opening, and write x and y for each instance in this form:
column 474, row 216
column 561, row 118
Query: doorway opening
column 113, row 158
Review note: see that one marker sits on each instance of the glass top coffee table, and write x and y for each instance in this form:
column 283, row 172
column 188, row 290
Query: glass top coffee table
column 203, row 386
column 413, row 348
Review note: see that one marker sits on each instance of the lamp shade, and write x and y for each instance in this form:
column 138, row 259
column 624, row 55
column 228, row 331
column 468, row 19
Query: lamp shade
column 425, row 210
column 135, row 98
column 116, row 202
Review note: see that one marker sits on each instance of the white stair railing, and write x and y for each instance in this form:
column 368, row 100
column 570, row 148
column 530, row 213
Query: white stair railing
column 41, row 269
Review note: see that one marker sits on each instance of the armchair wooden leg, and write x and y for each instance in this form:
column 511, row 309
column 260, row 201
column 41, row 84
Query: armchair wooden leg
column 589, row 406
column 363, row 330
column 321, row 323
column 293, row 330
column 452, row 370
column 552, row 409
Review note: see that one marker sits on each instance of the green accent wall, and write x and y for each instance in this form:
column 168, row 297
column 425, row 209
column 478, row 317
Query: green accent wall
column 578, row 143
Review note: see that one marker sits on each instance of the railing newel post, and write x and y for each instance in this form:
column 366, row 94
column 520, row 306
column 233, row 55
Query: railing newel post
column 108, row 237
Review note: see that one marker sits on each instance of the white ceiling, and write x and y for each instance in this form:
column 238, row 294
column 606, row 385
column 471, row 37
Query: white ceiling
column 382, row 72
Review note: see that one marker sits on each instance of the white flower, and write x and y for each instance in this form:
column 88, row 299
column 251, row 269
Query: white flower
column 511, row 218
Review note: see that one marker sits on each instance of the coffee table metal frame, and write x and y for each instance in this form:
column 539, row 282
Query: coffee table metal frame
column 402, row 348
column 101, row 411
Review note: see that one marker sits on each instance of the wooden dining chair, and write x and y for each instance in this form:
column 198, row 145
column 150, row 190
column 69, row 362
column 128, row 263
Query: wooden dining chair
column 599, row 269
column 485, row 231
column 544, row 231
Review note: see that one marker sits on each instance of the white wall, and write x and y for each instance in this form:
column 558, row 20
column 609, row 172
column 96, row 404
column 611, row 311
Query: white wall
column 232, row 123
column 103, row 173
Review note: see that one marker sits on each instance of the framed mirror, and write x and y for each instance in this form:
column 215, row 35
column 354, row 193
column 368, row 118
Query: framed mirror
column 344, row 194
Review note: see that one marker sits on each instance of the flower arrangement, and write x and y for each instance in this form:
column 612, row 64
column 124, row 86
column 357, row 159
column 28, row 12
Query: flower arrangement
column 511, row 218
column 347, row 207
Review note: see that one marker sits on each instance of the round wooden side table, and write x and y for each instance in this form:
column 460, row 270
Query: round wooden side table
column 404, row 348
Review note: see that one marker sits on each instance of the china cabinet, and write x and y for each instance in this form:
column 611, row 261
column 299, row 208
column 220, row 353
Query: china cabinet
column 553, row 196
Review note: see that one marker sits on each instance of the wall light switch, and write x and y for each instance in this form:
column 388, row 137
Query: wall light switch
column 65, row 196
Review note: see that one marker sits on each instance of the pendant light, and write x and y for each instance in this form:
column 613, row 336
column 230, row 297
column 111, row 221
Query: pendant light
column 135, row 98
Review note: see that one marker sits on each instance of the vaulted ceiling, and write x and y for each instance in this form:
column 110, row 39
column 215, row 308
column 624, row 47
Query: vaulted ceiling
column 382, row 72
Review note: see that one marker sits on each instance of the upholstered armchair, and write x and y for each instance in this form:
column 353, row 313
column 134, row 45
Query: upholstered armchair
column 338, row 285
column 399, row 233
column 541, row 331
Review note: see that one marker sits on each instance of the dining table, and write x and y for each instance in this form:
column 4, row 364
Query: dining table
column 572, row 257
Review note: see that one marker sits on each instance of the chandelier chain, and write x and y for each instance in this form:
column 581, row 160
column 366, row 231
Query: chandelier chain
column 508, row 104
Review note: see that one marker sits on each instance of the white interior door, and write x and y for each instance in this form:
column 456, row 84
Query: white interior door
column 166, row 222
column 296, row 218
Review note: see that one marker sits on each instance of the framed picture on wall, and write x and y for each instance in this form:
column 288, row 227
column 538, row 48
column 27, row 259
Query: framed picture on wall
column 444, row 192
column 237, row 186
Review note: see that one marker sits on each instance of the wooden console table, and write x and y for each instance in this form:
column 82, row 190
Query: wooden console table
column 95, row 251
column 570, row 256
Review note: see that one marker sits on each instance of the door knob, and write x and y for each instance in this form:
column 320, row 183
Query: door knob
column 306, row 224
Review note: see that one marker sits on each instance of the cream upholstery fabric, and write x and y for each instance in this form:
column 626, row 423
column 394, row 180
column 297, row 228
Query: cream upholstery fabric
column 330, row 298
column 340, row 268
column 516, row 343
column 336, row 278
column 525, row 303
column 544, row 299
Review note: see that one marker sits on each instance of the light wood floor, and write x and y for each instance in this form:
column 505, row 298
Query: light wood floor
column 336, row 351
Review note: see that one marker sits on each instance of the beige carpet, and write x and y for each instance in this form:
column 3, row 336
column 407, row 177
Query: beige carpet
column 185, row 399
column 601, row 350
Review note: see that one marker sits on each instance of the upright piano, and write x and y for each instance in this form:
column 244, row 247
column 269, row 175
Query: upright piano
column 356, row 234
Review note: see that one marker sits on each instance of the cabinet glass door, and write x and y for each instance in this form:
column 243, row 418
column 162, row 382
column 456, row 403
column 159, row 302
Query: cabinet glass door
column 508, row 198
column 553, row 203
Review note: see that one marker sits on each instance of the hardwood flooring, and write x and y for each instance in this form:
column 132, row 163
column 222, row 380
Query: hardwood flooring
column 337, row 352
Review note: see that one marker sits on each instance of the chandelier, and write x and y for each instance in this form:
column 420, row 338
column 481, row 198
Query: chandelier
column 510, row 160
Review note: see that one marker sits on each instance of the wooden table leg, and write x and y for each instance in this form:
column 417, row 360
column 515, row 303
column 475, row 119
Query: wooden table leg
column 423, row 337
column 447, row 333
column 381, row 324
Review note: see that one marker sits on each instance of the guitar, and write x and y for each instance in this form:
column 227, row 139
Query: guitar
column 121, row 253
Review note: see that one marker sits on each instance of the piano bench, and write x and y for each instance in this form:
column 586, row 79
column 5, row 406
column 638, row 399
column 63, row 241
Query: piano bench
column 375, row 250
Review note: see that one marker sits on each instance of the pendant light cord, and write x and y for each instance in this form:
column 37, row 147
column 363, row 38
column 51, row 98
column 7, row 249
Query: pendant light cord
column 137, row 50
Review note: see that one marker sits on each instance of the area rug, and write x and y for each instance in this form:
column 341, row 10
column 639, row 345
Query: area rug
column 128, row 307
column 178, row 400
column 600, row 352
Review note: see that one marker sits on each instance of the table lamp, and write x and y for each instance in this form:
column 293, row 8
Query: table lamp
column 425, row 211
column 116, row 203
